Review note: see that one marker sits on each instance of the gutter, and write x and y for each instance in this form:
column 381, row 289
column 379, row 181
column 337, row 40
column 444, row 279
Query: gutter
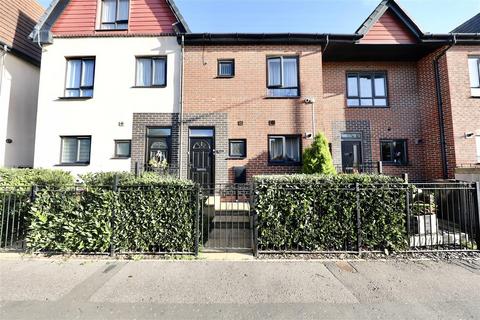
column 180, row 104
column 441, row 113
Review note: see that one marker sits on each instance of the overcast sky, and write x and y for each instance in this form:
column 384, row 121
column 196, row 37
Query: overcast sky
column 334, row 16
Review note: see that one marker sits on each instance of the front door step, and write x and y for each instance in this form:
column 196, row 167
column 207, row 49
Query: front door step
column 219, row 205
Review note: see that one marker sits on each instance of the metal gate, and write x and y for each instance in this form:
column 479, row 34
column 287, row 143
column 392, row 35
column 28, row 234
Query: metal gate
column 226, row 217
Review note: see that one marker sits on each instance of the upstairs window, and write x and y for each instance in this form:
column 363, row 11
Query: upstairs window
column 367, row 89
column 115, row 14
column 394, row 152
column 284, row 149
column 226, row 68
column 151, row 72
column 474, row 70
column 76, row 150
column 282, row 74
column 80, row 74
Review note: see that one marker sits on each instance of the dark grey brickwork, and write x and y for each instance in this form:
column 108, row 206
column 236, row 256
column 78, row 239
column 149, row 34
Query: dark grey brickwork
column 218, row 121
column 139, row 134
column 361, row 126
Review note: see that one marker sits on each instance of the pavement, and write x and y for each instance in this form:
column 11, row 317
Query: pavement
column 55, row 288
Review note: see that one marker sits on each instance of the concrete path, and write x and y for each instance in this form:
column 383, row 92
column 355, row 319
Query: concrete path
column 80, row 289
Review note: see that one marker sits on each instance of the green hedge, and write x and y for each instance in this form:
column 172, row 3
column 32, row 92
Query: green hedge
column 149, row 214
column 315, row 212
column 22, row 178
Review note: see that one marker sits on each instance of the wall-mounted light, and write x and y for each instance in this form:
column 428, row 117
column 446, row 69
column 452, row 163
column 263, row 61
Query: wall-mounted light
column 8, row 140
column 469, row 135
column 308, row 135
column 418, row 141
column 120, row 124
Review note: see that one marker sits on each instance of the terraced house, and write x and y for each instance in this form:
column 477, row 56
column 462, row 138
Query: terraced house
column 126, row 85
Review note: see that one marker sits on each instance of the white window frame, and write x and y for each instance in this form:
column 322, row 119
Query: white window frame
column 475, row 91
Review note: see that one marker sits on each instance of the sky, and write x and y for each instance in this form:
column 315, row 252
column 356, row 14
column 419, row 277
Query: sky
column 314, row 16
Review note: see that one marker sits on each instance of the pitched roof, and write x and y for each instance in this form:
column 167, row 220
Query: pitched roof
column 470, row 26
column 18, row 19
column 399, row 13
column 42, row 31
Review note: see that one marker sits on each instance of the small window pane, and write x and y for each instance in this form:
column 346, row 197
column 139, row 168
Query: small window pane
column 72, row 93
column 274, row 72
column 122, row 149
column 473, row 67
column 380, row 85
column 109, row 11
column 201, row 132
column 84, row 150
column 365, row 86
column 74, row 70
column 237, row 148
column 69, row 150
column 381, row 102
column 144, row 72
column 88, row 68
column 366, row 102
column 225, row 68
column 122, row 10
column 283, row 92
column 159, row 132
column 353, row 102
column 290, row 74
column 292, row 149
column 159, row 68
column 276, row 149
column 352, row 86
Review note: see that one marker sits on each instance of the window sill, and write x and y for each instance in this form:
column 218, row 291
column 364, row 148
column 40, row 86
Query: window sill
column 286, row 97
column 236, row 158
column 391, row 164
column 72, row 165
column 368, row 107
column 110, row 30
column 120, row 158
column 74, row 98
column 225, row 77
column 148, row 87
column 285, row 164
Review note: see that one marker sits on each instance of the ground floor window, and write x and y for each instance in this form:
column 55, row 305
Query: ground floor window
column 122, row 148
column 284, row 149
column 159, row 144
column 76, row 149
column 394, row 151
column 237, row 148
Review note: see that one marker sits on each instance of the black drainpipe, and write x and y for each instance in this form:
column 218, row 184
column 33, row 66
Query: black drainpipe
column 441, row 114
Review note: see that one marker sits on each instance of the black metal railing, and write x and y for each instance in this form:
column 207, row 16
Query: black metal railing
column 438, row 216
column 365, row 167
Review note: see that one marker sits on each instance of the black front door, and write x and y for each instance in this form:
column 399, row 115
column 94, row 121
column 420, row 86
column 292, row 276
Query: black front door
column 351, row 156
column 201, row 160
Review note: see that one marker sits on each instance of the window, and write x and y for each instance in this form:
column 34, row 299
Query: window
column 80, row 74
column 76, row 150
column 477, row 139
column 284, row 149
column 159, row 145
column 122, row 148
column 226, row 68
column 151, row 72
column 237, row 148
column 474, row 70
column 365, row 89
column 394, row 151
column 115, row 14
column 282, row 74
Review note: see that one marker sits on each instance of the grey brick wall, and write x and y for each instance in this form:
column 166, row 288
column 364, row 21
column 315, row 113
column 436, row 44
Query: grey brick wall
column 361, row 126
column 139, row 135
column 218, row 121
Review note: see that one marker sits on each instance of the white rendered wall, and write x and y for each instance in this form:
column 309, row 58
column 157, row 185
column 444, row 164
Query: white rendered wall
column 18, row 110
column 114, row 98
